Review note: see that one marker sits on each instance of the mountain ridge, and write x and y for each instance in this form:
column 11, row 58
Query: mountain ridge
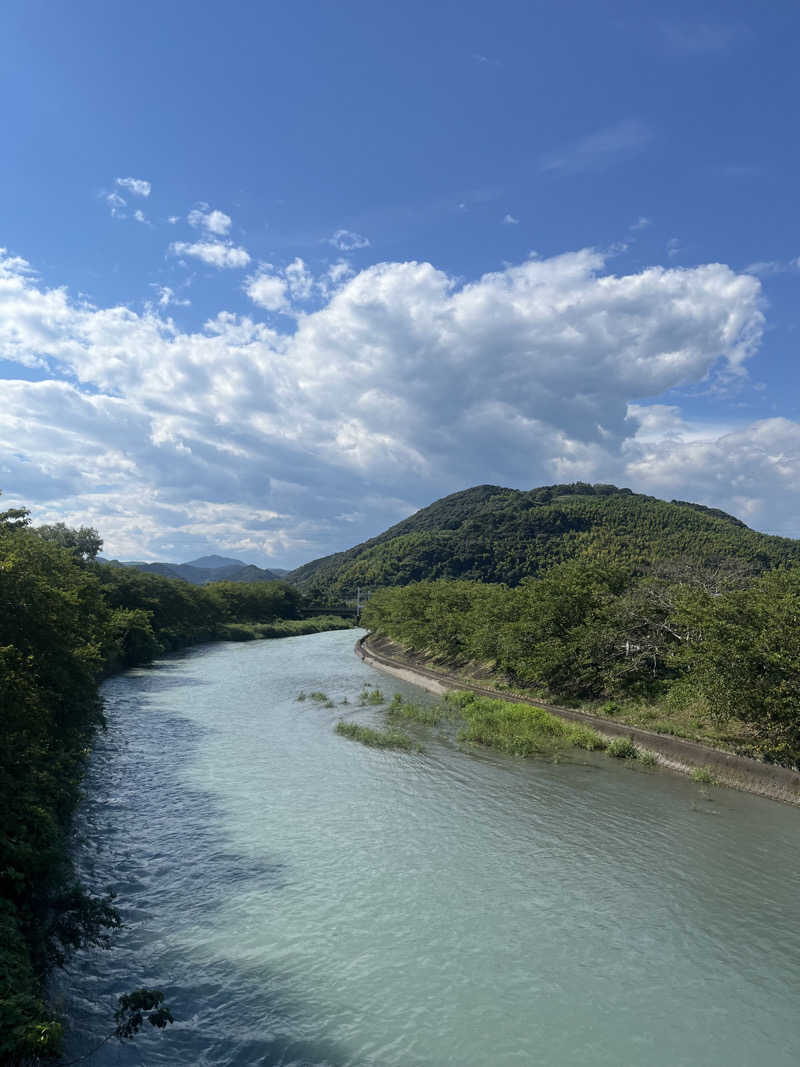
column 491, row 533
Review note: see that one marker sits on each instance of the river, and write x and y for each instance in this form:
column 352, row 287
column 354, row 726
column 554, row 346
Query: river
column 303, row 900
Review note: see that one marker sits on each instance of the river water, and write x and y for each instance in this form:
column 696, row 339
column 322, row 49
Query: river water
column 302, row 899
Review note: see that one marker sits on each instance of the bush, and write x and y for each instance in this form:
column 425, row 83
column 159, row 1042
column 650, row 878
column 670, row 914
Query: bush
column 611, row 707
column 622, row 748
column 704, row 776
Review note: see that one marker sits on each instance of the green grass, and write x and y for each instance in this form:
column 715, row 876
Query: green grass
column 391, row 738
column 371, row 697
column 519, row 728
column 622, row 748
column 647, row 758
column 704, row 776
column 318, row 696
column 401, row 710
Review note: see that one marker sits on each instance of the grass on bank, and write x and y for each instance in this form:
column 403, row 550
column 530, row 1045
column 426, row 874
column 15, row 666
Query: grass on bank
column 256, row 631
column 366, row 735
column 520, row 729
column 401, row 710
column 679, row 713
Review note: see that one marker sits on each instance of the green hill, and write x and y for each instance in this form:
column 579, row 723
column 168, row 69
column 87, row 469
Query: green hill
column 503, row 535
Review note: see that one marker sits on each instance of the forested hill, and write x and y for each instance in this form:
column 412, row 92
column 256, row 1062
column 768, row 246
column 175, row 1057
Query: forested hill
column 503, row 535
column 235, row 571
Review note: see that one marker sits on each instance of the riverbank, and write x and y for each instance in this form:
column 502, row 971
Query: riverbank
column 258, row 631
column 676, row 754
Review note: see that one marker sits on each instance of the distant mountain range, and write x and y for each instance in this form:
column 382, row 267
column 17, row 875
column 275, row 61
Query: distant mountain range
column 208, row 569
column 494, row 534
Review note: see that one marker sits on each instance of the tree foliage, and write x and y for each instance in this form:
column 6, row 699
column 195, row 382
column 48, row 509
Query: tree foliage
column 500, row 535
column 585, row 631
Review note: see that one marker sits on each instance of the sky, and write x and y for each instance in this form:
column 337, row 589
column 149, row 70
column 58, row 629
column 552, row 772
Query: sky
column 276, row 275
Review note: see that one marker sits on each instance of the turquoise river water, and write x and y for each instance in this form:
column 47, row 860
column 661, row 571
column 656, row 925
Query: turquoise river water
column 303, row 900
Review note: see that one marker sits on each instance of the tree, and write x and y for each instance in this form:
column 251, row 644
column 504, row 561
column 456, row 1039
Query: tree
column 747, row 660
column 14, row 518
column 85, row 541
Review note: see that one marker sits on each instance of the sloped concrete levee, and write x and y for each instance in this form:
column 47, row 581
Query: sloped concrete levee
column 677, row 754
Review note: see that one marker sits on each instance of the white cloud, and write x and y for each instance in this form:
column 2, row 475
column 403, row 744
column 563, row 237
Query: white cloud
column 673, row 247
column 765, row 268
column 173, row 219
column 405, row 378
column 135, row 186
column 299, row 279
column 268, row 290
column 167, row 297
column 216, row 222
column 215, row 253
column 116, row 204
column 509, row 220
column 752, row 471
column 599, row 149
column 347, row 241
column 141, row 217
column 641, row 223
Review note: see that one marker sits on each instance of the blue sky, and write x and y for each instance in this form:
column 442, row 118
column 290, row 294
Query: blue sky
column 277, row 275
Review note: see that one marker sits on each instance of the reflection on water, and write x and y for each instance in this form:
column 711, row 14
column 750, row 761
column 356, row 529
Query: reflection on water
column 304, row 900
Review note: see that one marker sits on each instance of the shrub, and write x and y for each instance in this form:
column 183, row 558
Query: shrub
column 704, row 776
column 622, row 748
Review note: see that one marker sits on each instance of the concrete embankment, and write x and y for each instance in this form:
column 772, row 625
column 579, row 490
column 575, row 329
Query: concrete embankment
column 677, row 754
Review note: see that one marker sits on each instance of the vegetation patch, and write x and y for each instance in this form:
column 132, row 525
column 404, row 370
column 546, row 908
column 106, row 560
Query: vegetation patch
column 401, row 710
column 622, row 748
column 366, row 735
column 372, row 697
column 258, row 631
column 519, row 728
column 704, row 776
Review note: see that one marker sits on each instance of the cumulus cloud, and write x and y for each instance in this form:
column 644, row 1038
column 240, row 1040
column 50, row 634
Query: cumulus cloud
column 406, row 383
column 277, row 290
column 203, row 218
column 221, row 254
column 135, row 186
column 347, row 241
column 268, row 290
column 752, row 470
column 509, row 220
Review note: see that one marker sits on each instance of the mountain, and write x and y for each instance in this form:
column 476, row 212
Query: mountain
column 504, row 535
column 221, row 570
column 211, row 563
